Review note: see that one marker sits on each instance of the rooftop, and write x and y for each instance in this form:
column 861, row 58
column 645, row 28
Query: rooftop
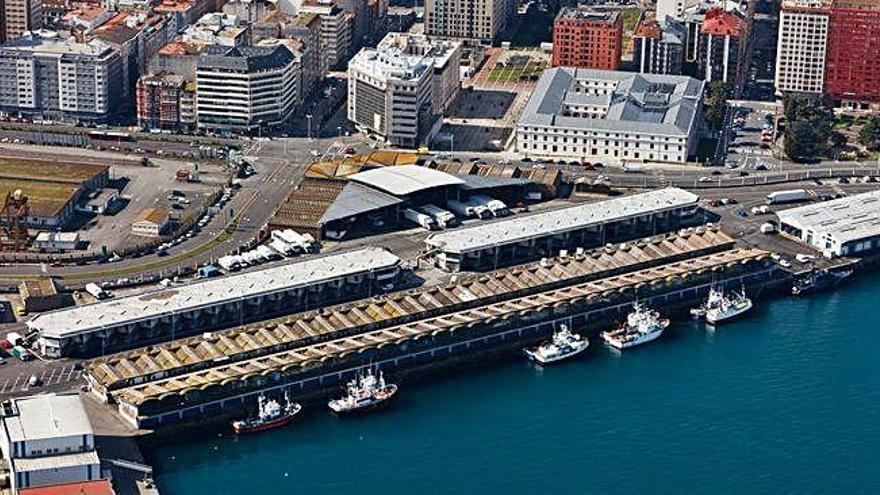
column 53, row 462
column 518, row 229
column 441, row 51
column 719, row 22
column 154, row 304
column 48, row 416
column 844, row 220
column 246, row 58
column 152, row 215
column 647, row 103
column 96, row 487
column 49, row 42
column 584, row 13
column 390, row 64
column 405, row 179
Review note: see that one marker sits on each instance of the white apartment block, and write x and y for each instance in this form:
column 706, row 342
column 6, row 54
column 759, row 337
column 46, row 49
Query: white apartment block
column 389, row 95
column 446, row 54
column 611, row 116
column 477, row 20
column 801, row 45
column 336, row 31
column 670, row 8
column 244, row 88
column 42, row 74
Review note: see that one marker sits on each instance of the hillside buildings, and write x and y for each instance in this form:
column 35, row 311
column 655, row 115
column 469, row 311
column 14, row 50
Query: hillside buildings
column 593, row 115
column 587, row 38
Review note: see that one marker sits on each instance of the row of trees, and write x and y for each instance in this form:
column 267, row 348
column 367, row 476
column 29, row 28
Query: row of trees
column 809, row 130
column 869, row 136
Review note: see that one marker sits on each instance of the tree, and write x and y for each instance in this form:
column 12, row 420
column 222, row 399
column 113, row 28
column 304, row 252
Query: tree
column 716, row 101
column 869, row 136
column 809, row 132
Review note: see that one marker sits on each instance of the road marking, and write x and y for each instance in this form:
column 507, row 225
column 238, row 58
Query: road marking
column 51, row 376
column 15, row 384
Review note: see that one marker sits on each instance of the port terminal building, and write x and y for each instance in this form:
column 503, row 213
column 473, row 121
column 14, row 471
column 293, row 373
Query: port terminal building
column 545, row 234
column 316, row 351
column 159, row 315
column 842, row 227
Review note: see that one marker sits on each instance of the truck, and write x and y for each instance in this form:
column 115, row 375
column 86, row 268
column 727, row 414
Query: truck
column 267, row 253
column 229, row 263
column 21, row 353
column 425, row 221
column 468, row 210
column 788, row 196
column 96, row 291
column 298, row 241
column 498, row 208
column 14, row 338
column 282, row 247
column 443, row 218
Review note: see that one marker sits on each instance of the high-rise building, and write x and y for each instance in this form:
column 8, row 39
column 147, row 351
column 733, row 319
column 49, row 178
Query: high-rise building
column 670, row 8
column 475, row 20
column 446, row 56
column 801, row 46
column 245, row 88
column 852, row 66
column 719, row 45
column 659, row 45
column 587, row 38
column 164, row 101
column 336, row 31
column 60, row 78
column 19, row 16
column 389, row 95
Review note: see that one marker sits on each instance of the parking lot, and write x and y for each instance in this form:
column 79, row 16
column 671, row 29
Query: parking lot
column 52, row 376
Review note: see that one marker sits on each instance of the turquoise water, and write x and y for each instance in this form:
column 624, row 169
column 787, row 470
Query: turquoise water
column 784, row 401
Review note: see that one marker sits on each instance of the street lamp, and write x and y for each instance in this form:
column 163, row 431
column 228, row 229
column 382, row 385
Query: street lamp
column 339, row 131
column 309, row 119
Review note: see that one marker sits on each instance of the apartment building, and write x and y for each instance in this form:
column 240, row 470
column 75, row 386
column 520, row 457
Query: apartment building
column 389, row 95
column 164, row 101
column 245, row 88
column 611, row 116
column 659, row 45
column 852, row 64
column 18, row 17
column 446, row 57
column 670, row 8
column 474, row 20
column 719, row 45
column 336, row 31
column 42, row 74
column 587, row 38
column 801, row 46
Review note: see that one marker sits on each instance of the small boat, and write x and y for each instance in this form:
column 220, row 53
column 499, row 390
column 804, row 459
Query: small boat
column 729, row 307
column 818, row 280
column 642, row 325
column 365, row 392
column 270, row 414
column 563, row 344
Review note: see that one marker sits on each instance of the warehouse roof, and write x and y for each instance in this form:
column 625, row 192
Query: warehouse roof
column 405, row 179
column 649, row 103
column 357, row 199
column 96, row 487
column 158, row 303
column 539, row 225
column 59, row 461
column 844, row 220
column 42, row 417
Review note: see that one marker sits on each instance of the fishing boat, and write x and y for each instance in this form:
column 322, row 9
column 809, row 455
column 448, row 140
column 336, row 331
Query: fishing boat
column 712, row 301
column 562, row 345
column 270, row 414
column 730, row 306
column 365, row 392
column 642, row 325
column 818, row 280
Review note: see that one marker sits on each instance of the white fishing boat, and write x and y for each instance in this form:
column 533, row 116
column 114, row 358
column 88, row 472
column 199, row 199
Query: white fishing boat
column 366, row 391
column 642, row 325
column 562, row 345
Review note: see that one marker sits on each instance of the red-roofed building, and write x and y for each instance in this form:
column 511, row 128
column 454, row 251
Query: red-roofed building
column 97, row 487
column 719, row 45
column 852, row 66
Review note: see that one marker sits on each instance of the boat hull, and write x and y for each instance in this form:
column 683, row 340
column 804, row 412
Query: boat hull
column 239, row 428
column 714, row 319
column 340, row 409
column 615, row 341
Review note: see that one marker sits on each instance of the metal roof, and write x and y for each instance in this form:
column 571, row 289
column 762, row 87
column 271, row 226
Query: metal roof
column 405, row 179
column 518, row 229
column 43, row 417
column 158, row 303
column 477, row 182
column 639, row 103
column 843, row 220
column 60, row 461
column 357, row 199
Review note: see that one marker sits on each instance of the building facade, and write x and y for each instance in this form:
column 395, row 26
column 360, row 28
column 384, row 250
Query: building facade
column 162, row 100
column 44, row 75
column 587, row 38
column 659, row 46
column 446, row 54
column 852, row 66
column 336, row 31
column 18, row 17
column 389, row 95
column 670, row 8
column 244, row 88
column 801, row 47
column 476, row 20
column 610, row 116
